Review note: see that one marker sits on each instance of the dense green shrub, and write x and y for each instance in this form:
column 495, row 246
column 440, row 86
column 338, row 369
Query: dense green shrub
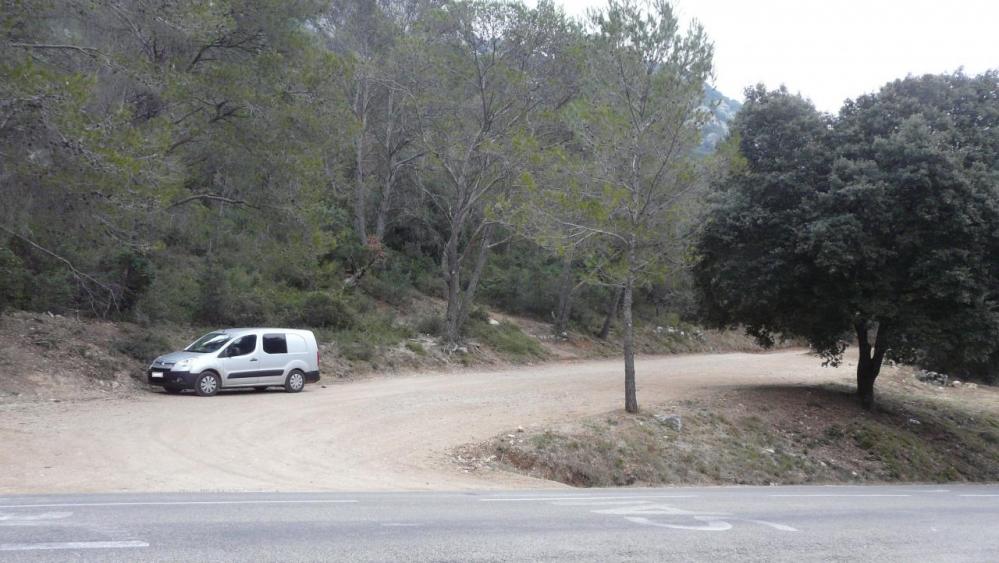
column 391, row 284
column 432, row 324
column 522, row 279
column 143, row 345
column 12, row 280
column 323, row 310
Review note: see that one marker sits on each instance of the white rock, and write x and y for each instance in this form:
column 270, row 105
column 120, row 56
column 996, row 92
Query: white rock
column 673, row 420
column 493, row 322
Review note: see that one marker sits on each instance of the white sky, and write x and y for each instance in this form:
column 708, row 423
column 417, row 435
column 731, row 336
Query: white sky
column 831, row 50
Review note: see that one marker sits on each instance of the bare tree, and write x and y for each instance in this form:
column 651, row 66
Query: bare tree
column 633, row 131
column 480, row 72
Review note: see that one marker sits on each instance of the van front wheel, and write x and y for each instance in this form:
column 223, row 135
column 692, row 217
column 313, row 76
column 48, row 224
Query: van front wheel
column 207, row 384
column 295, row 381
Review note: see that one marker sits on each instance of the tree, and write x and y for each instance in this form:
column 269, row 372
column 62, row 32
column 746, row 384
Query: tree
column 634, row 127
column 131, row 126
column 479, row 71
column 882, row 223
column 367, row 32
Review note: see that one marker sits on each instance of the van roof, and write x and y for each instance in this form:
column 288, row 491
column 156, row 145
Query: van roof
column 235, row 331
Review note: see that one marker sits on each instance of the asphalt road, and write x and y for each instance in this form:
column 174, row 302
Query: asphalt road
column 883, row 523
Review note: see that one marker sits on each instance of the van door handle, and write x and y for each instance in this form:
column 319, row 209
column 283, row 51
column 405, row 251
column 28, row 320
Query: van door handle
column 253, row 359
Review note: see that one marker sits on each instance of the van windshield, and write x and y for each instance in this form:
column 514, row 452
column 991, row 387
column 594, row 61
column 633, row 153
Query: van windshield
column 208, row 343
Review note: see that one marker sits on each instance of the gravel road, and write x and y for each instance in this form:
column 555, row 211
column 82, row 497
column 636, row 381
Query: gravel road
column 386, row 433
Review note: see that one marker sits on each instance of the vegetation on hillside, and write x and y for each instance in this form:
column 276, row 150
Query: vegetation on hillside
column 313, row 162
column 337, row 163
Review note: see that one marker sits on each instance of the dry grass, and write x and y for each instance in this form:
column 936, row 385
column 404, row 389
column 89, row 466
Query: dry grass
column 771, row 435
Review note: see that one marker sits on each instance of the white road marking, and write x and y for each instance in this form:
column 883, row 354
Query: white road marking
column 597, row 502
column 553, row 499
column 13, row 516
column 713, row 521
column 654, row 510
column 400, row 524
column 844, row 495
column 177, row 503
column 71, row 545
column 713, row 525
column 774, row 525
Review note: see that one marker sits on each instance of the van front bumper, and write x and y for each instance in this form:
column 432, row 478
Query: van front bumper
column 172, row 378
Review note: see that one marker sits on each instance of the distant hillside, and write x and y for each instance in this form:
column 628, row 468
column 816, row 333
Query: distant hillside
column 723, row 110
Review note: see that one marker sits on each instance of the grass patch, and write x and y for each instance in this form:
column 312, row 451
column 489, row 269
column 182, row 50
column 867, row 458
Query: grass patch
column 365, row 341
column 416, row 348
column 507, row 340
column 810, row 435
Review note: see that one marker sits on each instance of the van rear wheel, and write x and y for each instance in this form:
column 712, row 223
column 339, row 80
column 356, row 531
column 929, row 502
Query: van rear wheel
column 207, row 384
column 295, row 381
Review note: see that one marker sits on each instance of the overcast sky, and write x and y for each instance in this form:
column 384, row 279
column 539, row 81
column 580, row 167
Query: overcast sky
column 830, row 50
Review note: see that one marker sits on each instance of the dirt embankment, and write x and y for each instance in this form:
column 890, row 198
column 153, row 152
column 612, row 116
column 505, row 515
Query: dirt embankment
column 52, row 357
column 768, row 434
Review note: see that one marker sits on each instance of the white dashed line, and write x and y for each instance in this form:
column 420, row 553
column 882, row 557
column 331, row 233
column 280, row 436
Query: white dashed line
column 836, row 496
column 71, row 545
column 177, row 503
column 565, row 499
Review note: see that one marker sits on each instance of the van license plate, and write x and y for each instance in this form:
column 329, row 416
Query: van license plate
column 157, row 374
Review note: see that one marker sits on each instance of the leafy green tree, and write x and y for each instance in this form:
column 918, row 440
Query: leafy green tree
column 883, row 223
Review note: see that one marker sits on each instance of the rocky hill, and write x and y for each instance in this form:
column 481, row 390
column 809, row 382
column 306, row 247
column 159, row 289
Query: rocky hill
column 723, row 110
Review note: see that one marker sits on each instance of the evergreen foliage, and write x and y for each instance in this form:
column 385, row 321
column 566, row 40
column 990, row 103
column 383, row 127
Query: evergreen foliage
column 881, row 223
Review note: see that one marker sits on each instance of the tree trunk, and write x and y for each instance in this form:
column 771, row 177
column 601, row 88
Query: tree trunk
column 360, row 222
column 565, row 287
column 630, row 393
column 381, row 220
column 452, row 277
column 870, row 360
column 459, row 300
column 611, row 314
column 468, row 296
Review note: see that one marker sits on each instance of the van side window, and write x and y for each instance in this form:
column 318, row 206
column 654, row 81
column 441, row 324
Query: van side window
column 275, row 344
column 242, row 346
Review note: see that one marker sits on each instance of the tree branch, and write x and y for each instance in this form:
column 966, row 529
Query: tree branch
column 209, row 197
column 80, row 276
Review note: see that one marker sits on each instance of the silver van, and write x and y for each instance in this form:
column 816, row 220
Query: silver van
column 240, row 357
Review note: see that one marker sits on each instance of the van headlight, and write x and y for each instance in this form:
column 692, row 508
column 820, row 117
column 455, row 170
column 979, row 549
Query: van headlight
column 182, row 365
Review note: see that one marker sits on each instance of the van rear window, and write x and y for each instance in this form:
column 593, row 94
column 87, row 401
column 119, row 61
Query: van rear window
column 275, row 344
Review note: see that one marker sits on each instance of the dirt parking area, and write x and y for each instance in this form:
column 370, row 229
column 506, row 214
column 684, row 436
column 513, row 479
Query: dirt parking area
column 391, row 433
